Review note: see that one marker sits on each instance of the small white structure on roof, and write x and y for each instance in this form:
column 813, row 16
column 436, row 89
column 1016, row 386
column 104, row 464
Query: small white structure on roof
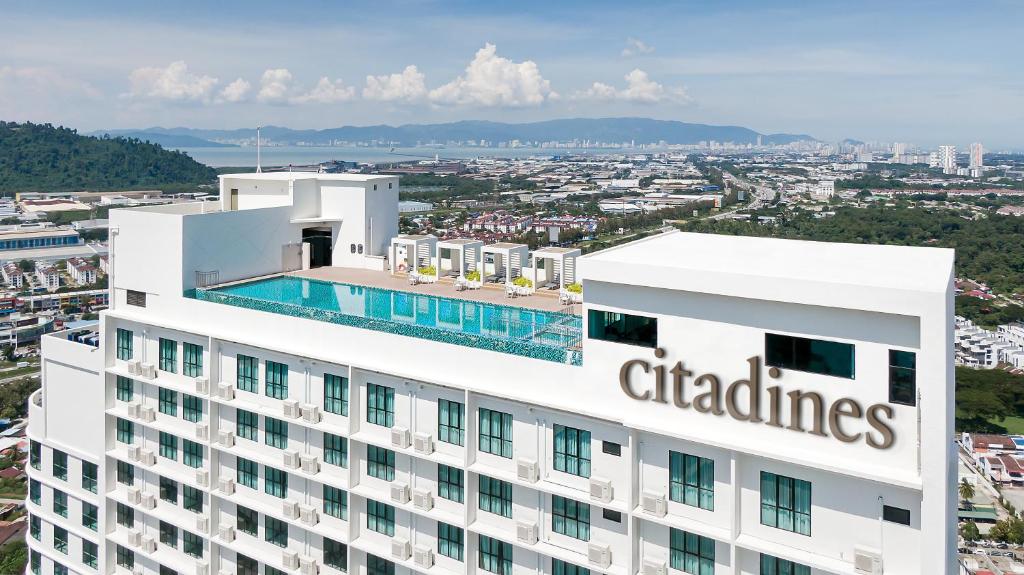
column 411, row 252
column 508, row 261
column 457, row 256
column 554, row 267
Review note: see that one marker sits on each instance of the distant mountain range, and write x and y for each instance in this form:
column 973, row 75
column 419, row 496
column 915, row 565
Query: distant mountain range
column 618, row 130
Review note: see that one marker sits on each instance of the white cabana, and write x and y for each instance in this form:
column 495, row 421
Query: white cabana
column 554, row 267
column 411, row 252
column 508, row 264
column 457, row 256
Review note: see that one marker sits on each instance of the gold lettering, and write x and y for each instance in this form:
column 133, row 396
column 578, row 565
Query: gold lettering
column 624, row 378
column 880, row 426
column 796, row 411
column 709, row 401
column 852, row 409
column 753, row 385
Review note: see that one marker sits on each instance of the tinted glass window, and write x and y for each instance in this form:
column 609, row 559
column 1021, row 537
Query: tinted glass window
column 811, row 355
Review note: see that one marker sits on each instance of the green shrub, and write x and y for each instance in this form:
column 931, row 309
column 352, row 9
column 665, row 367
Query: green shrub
column 522, row 282
column 574, row 287
column 428, row 271
column 473, row 276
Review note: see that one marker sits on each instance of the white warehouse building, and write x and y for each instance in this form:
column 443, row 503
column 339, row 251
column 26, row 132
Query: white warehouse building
column 266, row 397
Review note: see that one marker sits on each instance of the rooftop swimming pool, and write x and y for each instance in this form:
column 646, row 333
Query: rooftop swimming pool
column 550, row 336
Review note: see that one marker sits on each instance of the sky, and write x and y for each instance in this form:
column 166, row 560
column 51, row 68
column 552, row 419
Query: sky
column 925, row 73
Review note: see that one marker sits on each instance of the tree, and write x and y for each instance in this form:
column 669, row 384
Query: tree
column 966, row 491
column 969, row 531
column 13, row 558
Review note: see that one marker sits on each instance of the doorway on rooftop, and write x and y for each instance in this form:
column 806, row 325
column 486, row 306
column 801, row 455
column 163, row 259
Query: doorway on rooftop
column 319, row 240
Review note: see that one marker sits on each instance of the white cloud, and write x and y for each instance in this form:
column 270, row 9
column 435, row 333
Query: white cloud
column 236, row 91
column 635, row 47
column 408, row 86
column 275, row 85
column 640, row 88
column 326, row 92
column 491, row 80
column 174, row 83
column 44, row 80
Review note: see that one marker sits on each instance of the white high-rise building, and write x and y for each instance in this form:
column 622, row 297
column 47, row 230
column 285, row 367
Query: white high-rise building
column 977, row 155
column 947, row 159
column 282, row 384
column 899, row 152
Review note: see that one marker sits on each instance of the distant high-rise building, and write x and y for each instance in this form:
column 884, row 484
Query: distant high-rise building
column 899, row 150
column 947, row 159
column 977, row 155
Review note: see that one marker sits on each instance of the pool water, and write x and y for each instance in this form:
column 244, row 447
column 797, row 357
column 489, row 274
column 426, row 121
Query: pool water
column 532, row 333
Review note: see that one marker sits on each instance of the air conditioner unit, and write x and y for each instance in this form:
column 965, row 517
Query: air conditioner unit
column 202, row 432
column 601, row 489
column 867, row 561
column 308, row 514
column 653, row 503
column 310, row 464
column 203, row 478
column 148, row 500
column 148, row 544
column 423, row 556
column 399, row 493
column 290, row 407
column 134, row 367
column 226, row 485
column 147, row 457
column 227, row 533
column 226, row 391
column 526, row 470
column 400, row 548
column 134, row 408
column 226, row 438
column 202, row 386
column 203, row 525
column 291, row 459
column 134, row 495
column 308, row 566
column 290, row 559
column 134, row 452
column 651, row 567
column 600, row 555
column 400, row 437
column 526, row 532
column 422, row 499
column 146, row 413
column 202, row 568
column 290, row 509
column 135, row 538
column 423, row 443
column 311, row 413
column 147, row 370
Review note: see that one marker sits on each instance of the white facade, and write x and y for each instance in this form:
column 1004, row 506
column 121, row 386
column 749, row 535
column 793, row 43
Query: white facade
column 947, row 159
column 977, row 155
column 593, row 440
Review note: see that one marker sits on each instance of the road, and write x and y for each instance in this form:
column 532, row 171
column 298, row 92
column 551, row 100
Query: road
column 763, row 196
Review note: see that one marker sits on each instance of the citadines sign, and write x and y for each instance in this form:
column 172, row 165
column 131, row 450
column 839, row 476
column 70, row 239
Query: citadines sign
column 745, row 400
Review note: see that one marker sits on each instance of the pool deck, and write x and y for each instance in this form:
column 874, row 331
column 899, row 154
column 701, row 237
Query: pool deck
column 545, row 300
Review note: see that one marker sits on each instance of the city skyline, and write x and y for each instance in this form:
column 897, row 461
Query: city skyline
column 914, row 72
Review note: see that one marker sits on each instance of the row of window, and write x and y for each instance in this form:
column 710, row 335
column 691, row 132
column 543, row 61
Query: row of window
column 90, row 550
column 60, row 465
column 169, row 489
column 192, row 452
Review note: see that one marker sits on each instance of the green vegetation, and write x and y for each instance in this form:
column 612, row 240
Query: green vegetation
column 428, row 271
column 14, row 396
column 574, row 288
column 970, row 531
column 986, row 313
column 1009, row 530
column 13, row 558
column 522, row 282
column 988, row 400
column 41, row 157
column 473, row 275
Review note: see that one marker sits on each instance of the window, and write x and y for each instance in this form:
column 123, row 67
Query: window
column 35, row 454
column 35, row 491
column 570, row 518
column 691, row 553
column 380, row 463
column 193, row 453
column 168, row 402
column 169, row 535
column 495, row 496
column 896, row 515
column 60, row 503
column 168, row 355
column 572, row 451
column 247, row 520
column 90, row 515
column 611, row 515
column 275, row 432
column 193, row 545
column 810, row 355
column 125, row 390
column 167, row 571
column 335, row 394
column 622, row 328
column 380, row 517
column 35, row 561
column 559, row 567
column 380, row 405
column 125, row 516
column 775, row 566
column 379, row 566
column 450, row 483
column 125, row 473
column 335, row 450
column 496, row 432
column 124, row 344
column 168, row 446
column 246, row 565
column 192, row 407
column 169, row 490
column 611, row 448
column 335, row 502
column 277, row 380
column 275, row 531
column 786, row 503
column 248, row 377
column 449, row 541
column 90, row 554
column 125, row 431
column 247, row 472
column 247, row 424
column 335, row 554
column 35, row 526
column 89, row 471
column 275, row 482
column 192, row 359
column 192, row 499
column 60, row 465
column 495, row 556
column 60, row 539
column 451, row 422
column 691, row 480
column 902, row 377
column 125, row 558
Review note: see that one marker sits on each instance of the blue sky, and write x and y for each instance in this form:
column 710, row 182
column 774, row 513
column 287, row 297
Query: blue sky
column 920, row 72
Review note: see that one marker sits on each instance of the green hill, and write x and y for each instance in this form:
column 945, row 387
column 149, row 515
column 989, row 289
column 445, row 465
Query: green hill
column 44, row 158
